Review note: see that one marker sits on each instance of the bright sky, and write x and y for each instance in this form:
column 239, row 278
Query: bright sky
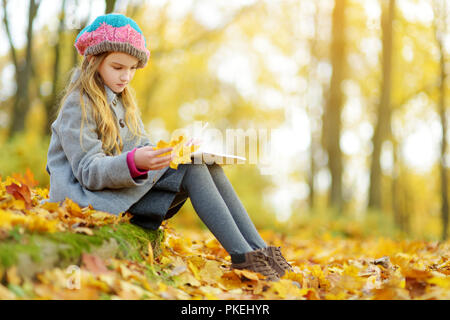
column 235, row 63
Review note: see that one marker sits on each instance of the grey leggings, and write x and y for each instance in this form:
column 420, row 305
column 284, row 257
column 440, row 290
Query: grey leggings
column 219, row 207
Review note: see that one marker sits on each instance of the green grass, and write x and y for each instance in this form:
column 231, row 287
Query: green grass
column 132, row 242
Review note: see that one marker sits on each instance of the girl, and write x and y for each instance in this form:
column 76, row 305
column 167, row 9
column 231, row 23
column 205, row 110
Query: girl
column 99, row 153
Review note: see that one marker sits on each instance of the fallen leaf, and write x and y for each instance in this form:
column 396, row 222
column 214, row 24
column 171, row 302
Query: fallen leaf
column 248, row 274
column 21, row 192
column 94, row 264
column 150, row 258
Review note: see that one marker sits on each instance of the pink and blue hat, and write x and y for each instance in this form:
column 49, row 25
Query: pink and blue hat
column 113, row 32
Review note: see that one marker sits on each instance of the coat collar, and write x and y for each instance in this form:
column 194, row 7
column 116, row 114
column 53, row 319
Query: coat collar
column 110, row 95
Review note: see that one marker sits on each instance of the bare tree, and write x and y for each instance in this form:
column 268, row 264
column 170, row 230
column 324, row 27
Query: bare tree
column 315, row 136
column 440, row 29
column 82, row 24
column 110, row 5
column 333, row 108
column 52, row 100
column 383, row 125
column 23, row 68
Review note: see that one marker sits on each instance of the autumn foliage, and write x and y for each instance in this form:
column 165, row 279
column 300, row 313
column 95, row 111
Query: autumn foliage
column 181, row 150
column 193, row 265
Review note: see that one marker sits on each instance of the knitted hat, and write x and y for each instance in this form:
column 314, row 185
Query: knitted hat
column 113, row 32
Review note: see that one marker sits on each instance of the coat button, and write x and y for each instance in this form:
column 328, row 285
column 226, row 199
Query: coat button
column 114, row 102
column 122, row 124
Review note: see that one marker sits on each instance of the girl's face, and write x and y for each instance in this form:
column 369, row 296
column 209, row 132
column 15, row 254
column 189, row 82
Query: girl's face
column 117, row 70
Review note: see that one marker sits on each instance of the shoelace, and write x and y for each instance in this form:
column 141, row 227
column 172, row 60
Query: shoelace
column 261, row 263
column 281, row 259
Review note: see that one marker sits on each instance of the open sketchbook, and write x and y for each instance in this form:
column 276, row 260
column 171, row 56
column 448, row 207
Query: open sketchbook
column 210, row 157
column 209, row 153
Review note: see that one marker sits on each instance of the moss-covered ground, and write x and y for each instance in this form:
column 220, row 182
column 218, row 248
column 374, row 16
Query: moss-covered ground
column 33, row 251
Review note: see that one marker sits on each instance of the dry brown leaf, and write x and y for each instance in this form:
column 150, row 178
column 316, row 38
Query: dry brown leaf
column 94, row 264
column 21, row 192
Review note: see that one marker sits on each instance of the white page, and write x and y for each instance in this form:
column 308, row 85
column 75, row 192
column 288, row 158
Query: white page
column 210, row 155
column 211, row 151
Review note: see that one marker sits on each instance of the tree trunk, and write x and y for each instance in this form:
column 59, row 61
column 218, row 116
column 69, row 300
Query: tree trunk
column 442, row 164
column 23, row 73
column 332, row 113
column 395, row 184
column 315, row 138
column 51, row 102
column 440, row 28
column 82, row 25
column 110, row 5
column 382, row 128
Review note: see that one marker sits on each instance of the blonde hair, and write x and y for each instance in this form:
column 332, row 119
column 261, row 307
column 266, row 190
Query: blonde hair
column 90, row 84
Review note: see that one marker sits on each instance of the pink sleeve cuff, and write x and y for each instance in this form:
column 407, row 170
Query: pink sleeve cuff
column 135, row 172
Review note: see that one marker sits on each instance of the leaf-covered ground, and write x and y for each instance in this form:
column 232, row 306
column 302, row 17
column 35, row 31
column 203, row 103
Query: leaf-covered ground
column 193, row 265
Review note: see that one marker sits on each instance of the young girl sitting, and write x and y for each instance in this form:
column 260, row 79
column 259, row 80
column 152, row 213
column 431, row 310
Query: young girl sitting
column 99, row 153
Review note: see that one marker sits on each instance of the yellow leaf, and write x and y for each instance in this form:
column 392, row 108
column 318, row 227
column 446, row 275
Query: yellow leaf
column 339, row 296
column 248, row 274
column 5, row 294
column 12, row 276
column 73, row 208
column 50, row 206
column 194, row 270
column 180, row 150
column 188, row 278
column 441, row 281
column 125, row 272
column 211, row 271
column 150, row 254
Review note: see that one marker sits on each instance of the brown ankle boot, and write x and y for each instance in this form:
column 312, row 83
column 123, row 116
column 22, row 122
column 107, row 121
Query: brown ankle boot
column 276, row 260
column 257, row 261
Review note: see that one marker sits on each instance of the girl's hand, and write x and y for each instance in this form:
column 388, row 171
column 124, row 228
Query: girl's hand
column 146, row 158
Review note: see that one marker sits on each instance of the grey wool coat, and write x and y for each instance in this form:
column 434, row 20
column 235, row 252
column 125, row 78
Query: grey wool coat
column 86, row 175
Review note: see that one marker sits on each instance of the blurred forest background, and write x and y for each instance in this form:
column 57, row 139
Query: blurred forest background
column 357, row 91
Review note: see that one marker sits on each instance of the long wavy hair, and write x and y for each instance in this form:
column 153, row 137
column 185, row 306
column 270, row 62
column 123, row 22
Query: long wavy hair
column 90, row 85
